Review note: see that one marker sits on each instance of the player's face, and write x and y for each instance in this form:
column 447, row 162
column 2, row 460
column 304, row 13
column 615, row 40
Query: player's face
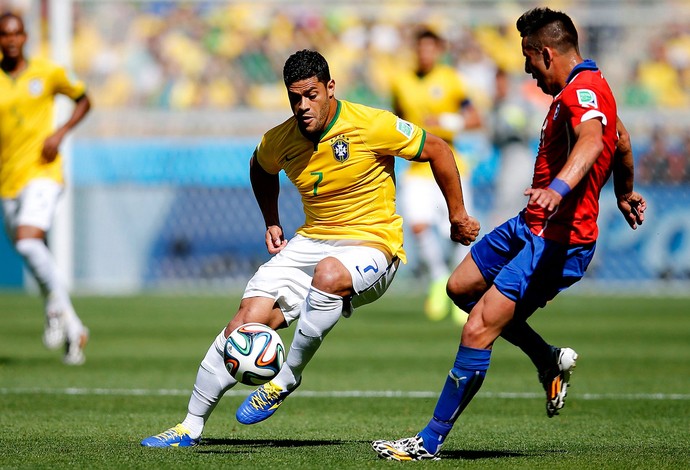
column 428, row 52
column 536, row 66
column 12, row 38
column 311, row 101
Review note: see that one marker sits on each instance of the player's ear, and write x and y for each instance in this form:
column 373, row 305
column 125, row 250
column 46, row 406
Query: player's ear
column 547, row 57
column 330, row 88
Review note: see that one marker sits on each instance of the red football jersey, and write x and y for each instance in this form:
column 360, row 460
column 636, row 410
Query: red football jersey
column 586, row 96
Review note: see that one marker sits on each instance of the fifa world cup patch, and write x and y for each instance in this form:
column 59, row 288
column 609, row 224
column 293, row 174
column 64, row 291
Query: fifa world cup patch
column 341, row 148
column 404, row 127
column 587, row 98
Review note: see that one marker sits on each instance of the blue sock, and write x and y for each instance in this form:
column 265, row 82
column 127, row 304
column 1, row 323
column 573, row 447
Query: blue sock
column 462, row 383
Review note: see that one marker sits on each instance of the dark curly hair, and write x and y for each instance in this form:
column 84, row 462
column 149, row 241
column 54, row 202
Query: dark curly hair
column 305, row 64
column 545, row 27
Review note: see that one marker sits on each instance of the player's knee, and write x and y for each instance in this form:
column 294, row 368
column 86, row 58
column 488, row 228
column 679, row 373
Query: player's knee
column 332, row 277
column 27, row 247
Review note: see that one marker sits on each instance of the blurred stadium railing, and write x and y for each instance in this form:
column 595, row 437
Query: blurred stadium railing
column 183, row 90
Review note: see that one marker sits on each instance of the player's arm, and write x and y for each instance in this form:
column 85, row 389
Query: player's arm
column 82, row 105
column 464, row 228
column 631, row 204
column 266, row 187
column 588, row 146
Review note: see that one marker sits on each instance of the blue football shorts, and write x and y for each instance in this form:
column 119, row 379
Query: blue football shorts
column 526, row 268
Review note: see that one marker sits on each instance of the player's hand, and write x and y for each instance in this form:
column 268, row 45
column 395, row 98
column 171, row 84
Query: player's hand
column 464, row 231
column 275, row 241
column 632, row 205
column 50, row 148
column 544, row 197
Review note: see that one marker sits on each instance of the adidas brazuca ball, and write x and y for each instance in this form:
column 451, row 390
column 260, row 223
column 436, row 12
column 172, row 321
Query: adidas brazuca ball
column 254, row 353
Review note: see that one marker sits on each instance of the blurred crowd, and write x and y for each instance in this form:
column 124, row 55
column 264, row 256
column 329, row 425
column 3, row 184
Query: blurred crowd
column 185, row 55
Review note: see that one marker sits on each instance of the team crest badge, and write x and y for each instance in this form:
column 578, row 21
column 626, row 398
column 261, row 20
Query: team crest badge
column 36, row 87
column 341, row 149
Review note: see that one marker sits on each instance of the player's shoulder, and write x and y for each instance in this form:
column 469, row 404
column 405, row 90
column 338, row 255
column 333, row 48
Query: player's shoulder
column 42, row 64
column 357, row 113
column 589, row 79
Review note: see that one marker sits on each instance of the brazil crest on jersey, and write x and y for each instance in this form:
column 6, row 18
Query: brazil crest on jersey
column 346, row 180
column 26, row 120
column 585, row 96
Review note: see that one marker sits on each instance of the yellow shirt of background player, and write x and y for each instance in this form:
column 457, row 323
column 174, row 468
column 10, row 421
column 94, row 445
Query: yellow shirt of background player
column 347, row 180
column 26, row 120
column 421, row 98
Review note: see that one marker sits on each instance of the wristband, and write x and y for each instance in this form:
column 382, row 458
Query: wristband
column 560, row 186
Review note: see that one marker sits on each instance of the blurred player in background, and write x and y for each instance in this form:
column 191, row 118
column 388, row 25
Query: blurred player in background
column 31, row 178
column 340, row 156
column 510, row 121
column 524, row 263
column 434, row 97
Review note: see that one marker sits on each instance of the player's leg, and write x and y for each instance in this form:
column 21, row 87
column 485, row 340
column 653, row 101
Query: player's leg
column 273, row 297
column 212, row 379
column 33, row 218
column 321, row 310
column 351, row 269
column 487, row 318
column 424, row 210
column 554, row 365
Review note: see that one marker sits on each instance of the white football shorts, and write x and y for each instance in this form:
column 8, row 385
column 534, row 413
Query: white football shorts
column 287, row 276
column 34, row 206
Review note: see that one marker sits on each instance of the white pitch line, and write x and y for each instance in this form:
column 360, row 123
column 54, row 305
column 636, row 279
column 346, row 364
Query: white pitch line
column 334, row 393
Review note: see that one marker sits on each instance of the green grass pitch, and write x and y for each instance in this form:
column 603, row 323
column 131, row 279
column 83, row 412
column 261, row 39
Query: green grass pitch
column 377, row 375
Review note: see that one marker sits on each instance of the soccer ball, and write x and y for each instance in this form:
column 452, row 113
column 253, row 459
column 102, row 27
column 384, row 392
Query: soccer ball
column 254, row 353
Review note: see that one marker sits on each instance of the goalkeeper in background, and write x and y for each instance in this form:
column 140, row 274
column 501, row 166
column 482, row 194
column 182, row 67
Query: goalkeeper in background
column 434, row 97
column 31, row 178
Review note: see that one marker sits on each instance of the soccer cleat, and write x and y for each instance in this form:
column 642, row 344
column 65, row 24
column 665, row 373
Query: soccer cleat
column 556, row 380
column 173, row 437
column 437, row 303
column 53, row 331
column 262, row 403
column 409, row 448
column 74, row 349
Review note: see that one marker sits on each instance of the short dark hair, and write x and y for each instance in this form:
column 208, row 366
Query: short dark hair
column 545, row 27
column 306, row 64
column 427, row 33
column 8, row 14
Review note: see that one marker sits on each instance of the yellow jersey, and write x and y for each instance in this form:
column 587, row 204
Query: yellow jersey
column 420, row 98
column 347, row 179
column 26, row 120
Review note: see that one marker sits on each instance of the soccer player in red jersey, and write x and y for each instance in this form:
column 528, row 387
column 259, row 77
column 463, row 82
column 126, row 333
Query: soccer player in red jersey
column 525, row 262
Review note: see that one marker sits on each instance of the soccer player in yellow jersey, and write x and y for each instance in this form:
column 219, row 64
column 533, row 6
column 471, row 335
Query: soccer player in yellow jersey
column 433, row 96
column 31, row 173
column 340, row 156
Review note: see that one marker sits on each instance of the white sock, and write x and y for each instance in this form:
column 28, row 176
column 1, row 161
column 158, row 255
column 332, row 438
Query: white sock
column 41, row 263
column 432, row 255
column 212, row 381
column 320, row 313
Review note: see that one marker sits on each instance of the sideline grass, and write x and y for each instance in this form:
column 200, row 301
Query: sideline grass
column 629, row 406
